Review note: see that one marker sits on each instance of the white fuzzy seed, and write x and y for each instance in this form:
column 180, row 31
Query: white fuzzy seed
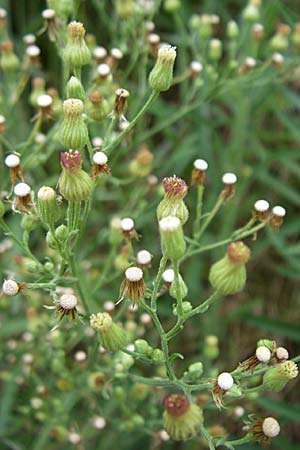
column 99, row 422
column 100, row 158
column 103, row 70
column 12, row 161
column 74, row 438
column 100, row 52
column 270, row 427
column 282, row 353
column 261, row 205
column 44, row 101
column 134, row 274
column 22, row 189
column 29, row 39
column 196, row 66
column 10, row 287
column 116, row 53
column 225, row 381
column 127, row 224
column 263, row 354
column 97, row 142
column 80, row 356
column 168, row 275
column 48, row 14
column 229, row 178
column 33, row 51
column 250, row 62
column 143, row 257
column 201, row 164
column 68, row 301
column 108, row 306
column 279, row 211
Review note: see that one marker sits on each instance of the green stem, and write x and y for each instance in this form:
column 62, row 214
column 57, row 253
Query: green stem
column 207, row 437
column 244, row 440
column 81, row 291
column 204, row 306
column 119, row 138
column 211, row 215
column 200, row 191
column 161, row 268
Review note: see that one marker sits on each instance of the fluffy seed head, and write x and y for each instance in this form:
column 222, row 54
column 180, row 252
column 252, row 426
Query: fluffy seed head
column 201, row 164
column 134, row 274
column 100, row 158
column 2, row 120
column 282, row 353
column 261, row 205
column 143, row 257
column 10, row 287
column 29, row 39
column 263, row 354
column 103, row 70
column 277, row 58
column 33, row 51
column 196, row 66
column 48, row 14
column 116, row 53
column 68, row 301
column 170, row 223
column 279, row 211
column 127, row 224
column 250, row 62
column 97, row 141
column 168, row 275
column 108, row 306
column 225, row 381
column 99, row 422
column 270, row 427
column 44, row 101
column 100, row 52
column 229, row 178
column 80, row 356
column 22, row 189
column 12, row 161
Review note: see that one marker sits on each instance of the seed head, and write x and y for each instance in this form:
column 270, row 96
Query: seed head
column 263, row 354
column 225, row 381
column 10, row 287
column 134, row 274
column 270, row 427
column 68, row 301
column 282, row 353
column 100, row 158
column 12, row 161
column 22, row 190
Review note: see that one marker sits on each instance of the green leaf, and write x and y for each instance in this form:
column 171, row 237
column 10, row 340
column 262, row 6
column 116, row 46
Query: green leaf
column 286, row 329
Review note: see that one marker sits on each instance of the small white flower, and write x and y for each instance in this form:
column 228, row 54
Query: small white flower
column 48, row 14
column 282, row 353
column 149, row 25
column 33, row 51
column 261, row 205
column 201, row 164
column 127, row 224
column 164, row 435
column 116, row 53
column 145, row 319
column 108, row 306
column 10, row 287
column 2, row 119
column 168, row 275
column 12, row 161
column 100, row 52
column 153, row 38
column 103, row 70
column 239, row 411
column 40, row 138
column 196, row 66
column 28, row 358
column 36, row 403
column 143, row 257
column 225, row 381
column 44, row 101
column 97, row 142
column 229, row 178
column 169, row 223
column 263, row 354
column 250, row 62
column 68, row 301
column 277, row 58
column 258, row 28
column 279, row 211
column 74, row 438
column 100, row 158
column 22, row 189
column 29, row 39
column 3, row 13
column 80, row 356
column 133, row 274
column 99, row 422
column 270, row 427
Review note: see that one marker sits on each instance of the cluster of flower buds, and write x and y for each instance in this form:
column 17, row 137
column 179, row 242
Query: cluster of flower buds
column 261, row 212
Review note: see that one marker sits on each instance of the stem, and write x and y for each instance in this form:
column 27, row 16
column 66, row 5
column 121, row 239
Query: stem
column 200, row 191
column 207, row 437
column 161, row 268
column 212, row 214
column 75, row 273
column 244, row 440
column 119, row 138
column 204, row 306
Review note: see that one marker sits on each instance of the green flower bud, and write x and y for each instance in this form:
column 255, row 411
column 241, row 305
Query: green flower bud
column 182, row 288
column 181, row 419
column 8, row 61
column 211, row 348
column 73, row 131
column 266, row 343
column 251, row 13
column 115, row 233
column 49, row 266
column 172, row 5
column 186, row 306
column 61, row 233
column 142, row 346
column 74, row 184
column 172, row 238
column 76, row 53
column 74, row 89
column 228, row 276
column 161, row 76
column 215, row 49
column 157, row 356
column 232, row 30
column 97, row 107
column 125, row 360
column 125, row 8
column 32, row 266
column 47, row 206
column 61, row 7
column 38, row 88
column 28, row 222
column 196, row 367
column 96, row 381
column 172, row 204
column 276, row 378
column 112, row 336
column 279, row 42
column 51, row 242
